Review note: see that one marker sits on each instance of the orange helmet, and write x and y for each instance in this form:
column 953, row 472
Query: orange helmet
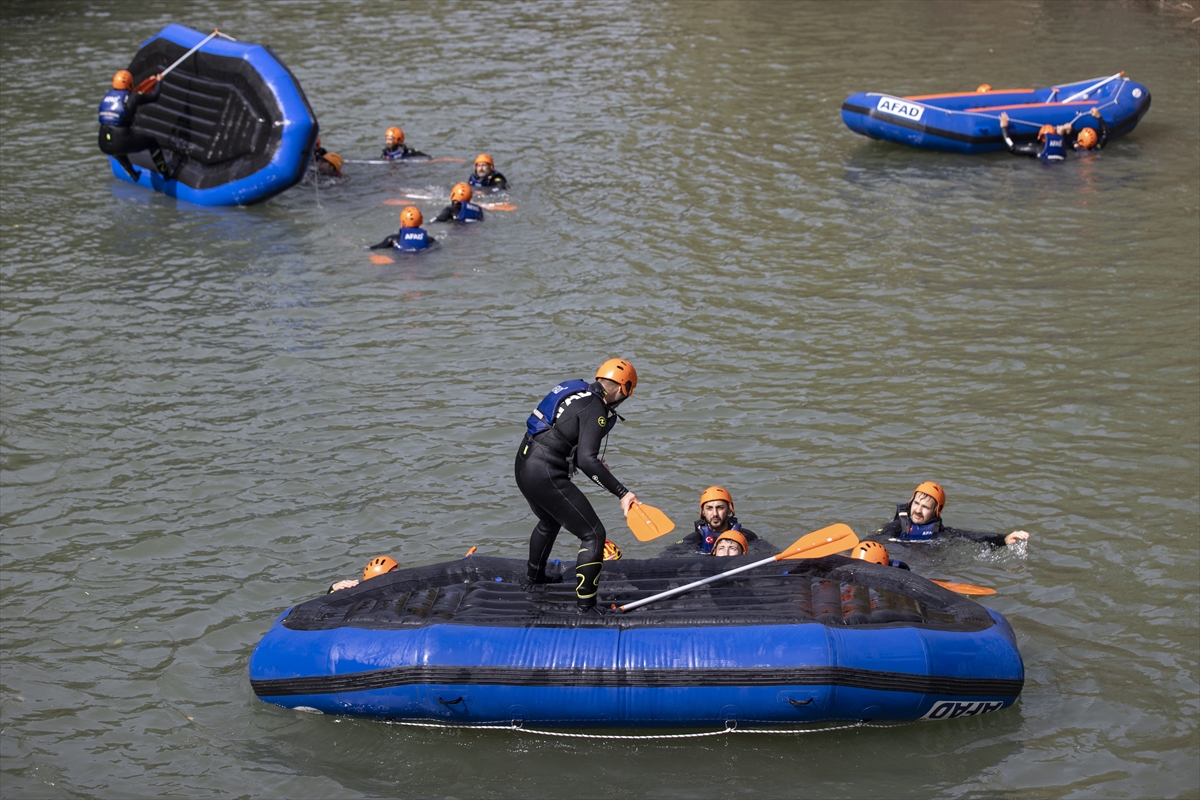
column 378, row 566
column 983, row 87
column 411, row 217
column 484, row 158
column 335, row 159
column 933, row 490
column 394, row 135
column 1087, row 138
column 734, row 536
column 611, row 551
column 871, row 551
column 620, row 371
column 123, row 79
column 460, row 193
column 715, row 493
column 1043, row 131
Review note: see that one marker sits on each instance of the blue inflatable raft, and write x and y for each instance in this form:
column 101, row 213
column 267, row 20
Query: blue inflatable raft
column 232, row 120
column 969, row 122
column 792, row 642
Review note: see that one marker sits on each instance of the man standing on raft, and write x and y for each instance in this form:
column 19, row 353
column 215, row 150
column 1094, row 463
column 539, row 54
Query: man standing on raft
column 563, row 434
column 116, row 114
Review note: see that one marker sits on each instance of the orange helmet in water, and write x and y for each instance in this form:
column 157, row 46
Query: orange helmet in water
column 411, row 217
column 1043, row 131
column 123, row 79
column 394, row 135
column 871, row 551
column 733, row 536
column 484, row 158
column 378, row 566
column 618, row 370
column 715, row 493
column 1087, row 138
column 933, row 490
column 460, row 193
column 983, row 87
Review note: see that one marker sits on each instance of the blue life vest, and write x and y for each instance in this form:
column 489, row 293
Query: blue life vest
column 1054, row 148
column 113, row 108
column 491, row 180
column 412, row 239
column 391, row 155
column 708, row 539
column 560, row 397
column 469, row 212
column 915, row 533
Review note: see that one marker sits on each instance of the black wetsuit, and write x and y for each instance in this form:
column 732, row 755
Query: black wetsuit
column 543, row 470
column 119, row 140
column 901, row 526
column 496, row 182
column 402, row 152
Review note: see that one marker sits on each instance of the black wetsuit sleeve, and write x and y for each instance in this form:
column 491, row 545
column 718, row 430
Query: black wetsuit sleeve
column 889, row 530
column 448, row 213
column 499, row 181
column 591, row 434
column 994, row 539
column 388, row 242
column 1020, row 149
column 137, row 98
column 1102, row 137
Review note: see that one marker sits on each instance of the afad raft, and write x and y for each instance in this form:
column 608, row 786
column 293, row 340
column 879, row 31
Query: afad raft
column 969, row 122
column 793, row 642
column 231, row 115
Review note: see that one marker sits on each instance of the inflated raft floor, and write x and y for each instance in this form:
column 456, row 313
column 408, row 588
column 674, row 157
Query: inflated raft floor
column 232, row 120
column 795, row 641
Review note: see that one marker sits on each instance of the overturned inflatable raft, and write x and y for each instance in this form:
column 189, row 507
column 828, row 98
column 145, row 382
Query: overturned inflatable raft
column 969, row 122
column 232, row 119
column 793, row 642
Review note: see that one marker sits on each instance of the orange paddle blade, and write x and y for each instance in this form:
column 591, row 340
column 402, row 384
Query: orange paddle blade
column 647, row 522
column 146, row 85
column 499, row 206
column 391, row 201
column 378, row 259
column 965, row 588
column 472, row 550
column 825, row 542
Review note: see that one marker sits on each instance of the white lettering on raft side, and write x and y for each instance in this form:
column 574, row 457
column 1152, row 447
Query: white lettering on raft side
column 953, row 709
column 894, row 105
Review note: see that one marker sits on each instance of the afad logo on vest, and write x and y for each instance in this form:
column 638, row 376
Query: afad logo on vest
column 953, row 709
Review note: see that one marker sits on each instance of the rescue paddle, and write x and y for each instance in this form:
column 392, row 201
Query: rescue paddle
column 1092, row 88
column 965, row 588
column 825, row 542
column 647, row 522
column 148, row 84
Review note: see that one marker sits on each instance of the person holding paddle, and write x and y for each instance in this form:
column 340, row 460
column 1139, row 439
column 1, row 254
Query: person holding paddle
column 920, row 520
column 563, row 434
column 116, row 115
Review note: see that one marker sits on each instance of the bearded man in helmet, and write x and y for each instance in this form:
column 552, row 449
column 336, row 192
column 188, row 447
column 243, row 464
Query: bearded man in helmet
column 461, row 209
column 716, row 518
column 116, row 114
column 920, row 520
column 485, row 176
column 564, row 433
column 394, row 148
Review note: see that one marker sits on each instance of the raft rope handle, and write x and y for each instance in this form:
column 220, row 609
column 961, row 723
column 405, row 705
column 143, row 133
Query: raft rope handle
column 455, row 701
column 730, row 728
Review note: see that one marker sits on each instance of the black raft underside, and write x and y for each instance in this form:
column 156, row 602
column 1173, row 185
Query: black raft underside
column 832, row 591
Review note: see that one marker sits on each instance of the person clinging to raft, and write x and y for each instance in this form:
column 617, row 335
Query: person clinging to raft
column 563, row 434
column 411, row 237
column 380, row 565
column 716, row 517
column 1092, row 139
column 394, row 148
column 920, row 520
column 485, row 175
column 730, row 543
column 117, row 112
column 461, row 209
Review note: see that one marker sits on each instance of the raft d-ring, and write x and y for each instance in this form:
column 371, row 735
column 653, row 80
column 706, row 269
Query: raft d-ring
column 798, row 703
column 458, row 699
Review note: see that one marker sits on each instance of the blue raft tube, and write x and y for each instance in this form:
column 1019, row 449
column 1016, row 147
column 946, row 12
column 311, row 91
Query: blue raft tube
column 969, row 122
column 790, row 643
column 232, row 120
